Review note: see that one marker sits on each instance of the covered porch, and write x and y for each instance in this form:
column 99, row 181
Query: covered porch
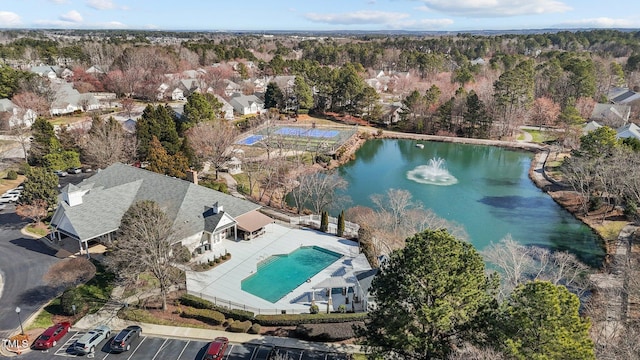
column 94, row 247
column 252, row 224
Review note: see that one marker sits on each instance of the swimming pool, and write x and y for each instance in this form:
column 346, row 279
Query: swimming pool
column 280, row 274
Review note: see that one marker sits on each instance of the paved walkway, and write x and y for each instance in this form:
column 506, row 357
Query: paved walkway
column 108, row 316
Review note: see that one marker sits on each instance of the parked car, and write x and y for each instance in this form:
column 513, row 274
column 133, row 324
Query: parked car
column 74, row 170
column 61, row 173
column 9, row 198
column 122, row 341
column 216, row 349
column 89, row 341
column 50, row 337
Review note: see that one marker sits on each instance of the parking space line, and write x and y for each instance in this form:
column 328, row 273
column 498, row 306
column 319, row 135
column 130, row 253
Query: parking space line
column 183, row 349
column 160, row 349
column 137, row 347
column 253, row 353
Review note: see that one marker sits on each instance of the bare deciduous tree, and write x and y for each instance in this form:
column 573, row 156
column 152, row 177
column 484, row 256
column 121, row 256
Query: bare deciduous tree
column 145, row 244
column 211, row 141
column 35, row 210
column 107, row 143
column 319, row 191
column 70, row 272
column 519, row 264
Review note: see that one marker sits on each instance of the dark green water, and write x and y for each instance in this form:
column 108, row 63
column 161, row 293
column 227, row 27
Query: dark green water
column 492, row 198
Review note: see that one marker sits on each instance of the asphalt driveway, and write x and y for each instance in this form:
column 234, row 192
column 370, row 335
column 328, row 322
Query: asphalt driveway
column 23, row 262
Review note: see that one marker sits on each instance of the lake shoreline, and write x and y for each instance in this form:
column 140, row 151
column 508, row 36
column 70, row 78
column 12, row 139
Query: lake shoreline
column 560, row 193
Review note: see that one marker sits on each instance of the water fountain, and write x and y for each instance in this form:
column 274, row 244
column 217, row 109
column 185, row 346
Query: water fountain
column 434, row 173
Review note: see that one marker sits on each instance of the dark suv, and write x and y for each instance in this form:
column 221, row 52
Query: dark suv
column 122, row 341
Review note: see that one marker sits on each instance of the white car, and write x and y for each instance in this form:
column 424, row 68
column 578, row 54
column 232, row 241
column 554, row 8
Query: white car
column 9, row 198
column 88, row 342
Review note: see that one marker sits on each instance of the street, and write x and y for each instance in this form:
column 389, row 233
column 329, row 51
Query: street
column 23, row 262
column 150, row 348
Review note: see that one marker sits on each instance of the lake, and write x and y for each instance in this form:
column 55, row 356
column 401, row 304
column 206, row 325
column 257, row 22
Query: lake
column 488, row 192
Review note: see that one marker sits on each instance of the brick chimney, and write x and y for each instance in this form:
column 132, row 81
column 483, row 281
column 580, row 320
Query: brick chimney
column 192, row 176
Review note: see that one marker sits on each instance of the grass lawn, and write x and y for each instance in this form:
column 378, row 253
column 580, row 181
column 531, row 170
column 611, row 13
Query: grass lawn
column 611, row 229
column 542, row 136
column 45, row 317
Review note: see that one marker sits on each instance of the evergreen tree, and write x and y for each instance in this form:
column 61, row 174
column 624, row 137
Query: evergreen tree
column 41, row 184
column 44, row 141
column 341, row 224
column 159, row 122
column 303, row 93
column 477, row 120
column 429, row 295
column 542, row 321
column 273, row 97
column 196, row 109
column 324, row 222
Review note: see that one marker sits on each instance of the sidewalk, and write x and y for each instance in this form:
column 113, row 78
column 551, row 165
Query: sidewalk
column 108, row 315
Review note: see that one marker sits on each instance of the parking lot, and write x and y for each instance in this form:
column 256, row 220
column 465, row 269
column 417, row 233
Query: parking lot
column 150, row 348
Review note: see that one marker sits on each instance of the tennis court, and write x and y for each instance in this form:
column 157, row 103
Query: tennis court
column 250, row 140
column 314, row 133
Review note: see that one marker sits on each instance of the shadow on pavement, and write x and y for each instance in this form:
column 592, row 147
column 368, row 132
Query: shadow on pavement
column 34, row 245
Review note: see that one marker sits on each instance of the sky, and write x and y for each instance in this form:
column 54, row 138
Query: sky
column 320, row 15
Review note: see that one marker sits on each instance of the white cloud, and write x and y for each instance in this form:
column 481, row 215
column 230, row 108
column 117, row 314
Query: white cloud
column 101, row 4
column 59, row 1
column 9, row 19
column 496, row 8
column 601, row 22
column 72, row 16
column 358, row 17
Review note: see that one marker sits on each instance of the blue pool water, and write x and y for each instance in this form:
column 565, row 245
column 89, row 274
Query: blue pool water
column 280, row 274
column 250, row 140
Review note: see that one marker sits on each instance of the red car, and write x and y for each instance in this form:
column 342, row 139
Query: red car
column 50, row 337
column 216, row 349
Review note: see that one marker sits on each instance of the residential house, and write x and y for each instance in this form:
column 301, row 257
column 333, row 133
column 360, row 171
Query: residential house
column 246, row 104
column 96, row 70
column 590, row 126
column 226, row 110
column 47, row 71
column 630, row 130
column 612, row 115
column 12, row 115
column 392, row 113
column 92, row 211
column 68, row 100
column 619, row 95
column 232, row 88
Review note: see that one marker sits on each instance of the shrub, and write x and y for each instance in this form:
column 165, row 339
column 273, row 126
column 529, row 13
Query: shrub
column 314, row 309
column 297, row 319
column 342, row 308
column 70, row 298
column 199, row 303
column 210, row 317
column 23, row 169
column 326, row 332
column 323, row 158
column 254, row 329
column 183, row 254
column 12, row 175
column 240, row 326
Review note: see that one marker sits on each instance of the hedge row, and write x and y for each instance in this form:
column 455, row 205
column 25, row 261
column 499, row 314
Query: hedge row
column 327, row 332
column 297, row 319
column 208, row 316
column 199, row 303
column 239, row 326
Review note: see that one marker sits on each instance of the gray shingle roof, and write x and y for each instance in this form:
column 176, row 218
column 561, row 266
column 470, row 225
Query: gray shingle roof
column 117, row 187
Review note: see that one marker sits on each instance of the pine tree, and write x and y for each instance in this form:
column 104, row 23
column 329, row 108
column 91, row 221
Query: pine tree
column 341, row 224
column 324, row 222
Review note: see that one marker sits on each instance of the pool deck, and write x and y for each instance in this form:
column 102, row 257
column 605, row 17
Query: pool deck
column 224, row 280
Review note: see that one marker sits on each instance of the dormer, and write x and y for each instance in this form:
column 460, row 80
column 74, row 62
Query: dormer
column 72, row 194
column 217, row 208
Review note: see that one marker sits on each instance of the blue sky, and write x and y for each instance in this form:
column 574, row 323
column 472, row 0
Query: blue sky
column 427, row 15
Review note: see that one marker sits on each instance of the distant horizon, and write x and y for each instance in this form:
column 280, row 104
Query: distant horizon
column 268, row 31
column 328, row 15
